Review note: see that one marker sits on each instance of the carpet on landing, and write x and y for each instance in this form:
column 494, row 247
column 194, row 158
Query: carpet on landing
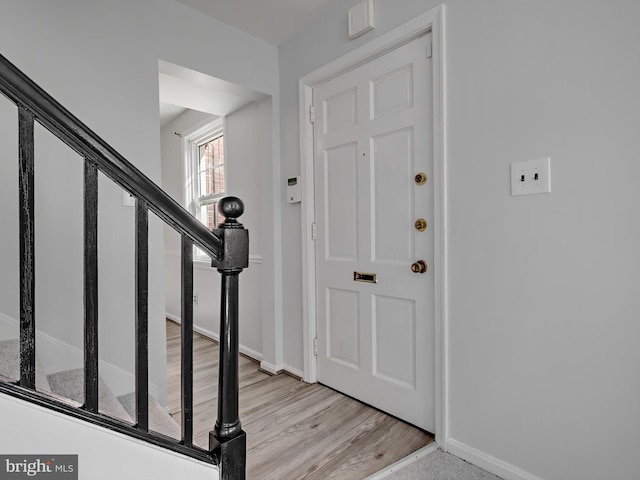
column 440, row 466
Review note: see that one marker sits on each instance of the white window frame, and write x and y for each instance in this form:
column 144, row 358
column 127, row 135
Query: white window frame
column 191, row 142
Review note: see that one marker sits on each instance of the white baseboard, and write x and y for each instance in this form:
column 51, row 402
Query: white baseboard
column 403, row 462
column 269, row 368
column 249, row 352
column 58, row 356
column 293, row 371
column 488, row 462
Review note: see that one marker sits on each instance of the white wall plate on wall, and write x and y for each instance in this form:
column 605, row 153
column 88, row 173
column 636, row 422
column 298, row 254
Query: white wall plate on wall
column 531, row 177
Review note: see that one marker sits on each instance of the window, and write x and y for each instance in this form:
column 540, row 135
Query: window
column 211, row 180
column 205, row 186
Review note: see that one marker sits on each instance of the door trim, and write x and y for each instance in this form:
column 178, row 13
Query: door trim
column 431, row 21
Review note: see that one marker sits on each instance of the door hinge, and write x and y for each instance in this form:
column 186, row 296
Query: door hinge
column 314, row 231
column 429, row 48
column 315, row 346
column 312, row 114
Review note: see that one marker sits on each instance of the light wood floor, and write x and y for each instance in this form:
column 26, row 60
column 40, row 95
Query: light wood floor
column 294, row 430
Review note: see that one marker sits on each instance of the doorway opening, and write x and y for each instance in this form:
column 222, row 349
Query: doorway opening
column 216, row 139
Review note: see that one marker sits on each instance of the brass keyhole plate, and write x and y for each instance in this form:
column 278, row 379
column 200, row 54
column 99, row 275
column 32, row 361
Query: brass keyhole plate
column 421, row 178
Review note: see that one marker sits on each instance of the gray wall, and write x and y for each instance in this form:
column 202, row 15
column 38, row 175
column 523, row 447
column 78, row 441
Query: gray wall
column 100, row 60
column 543, row 290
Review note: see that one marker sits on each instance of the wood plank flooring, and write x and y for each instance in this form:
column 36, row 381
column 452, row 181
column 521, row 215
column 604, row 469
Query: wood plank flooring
column 295, row 430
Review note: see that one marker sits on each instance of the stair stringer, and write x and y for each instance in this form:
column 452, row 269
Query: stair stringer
column 102, row 453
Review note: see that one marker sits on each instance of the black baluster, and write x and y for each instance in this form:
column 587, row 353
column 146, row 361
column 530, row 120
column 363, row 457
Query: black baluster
column 27, row 252
column 186, row 352
column 90, row 286
column 142, row 315
column 228, row 434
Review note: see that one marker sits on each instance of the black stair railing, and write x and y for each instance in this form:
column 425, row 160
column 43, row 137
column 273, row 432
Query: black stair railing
column 228, row 247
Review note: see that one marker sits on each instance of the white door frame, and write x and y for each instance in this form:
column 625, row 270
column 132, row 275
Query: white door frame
column 431, row 21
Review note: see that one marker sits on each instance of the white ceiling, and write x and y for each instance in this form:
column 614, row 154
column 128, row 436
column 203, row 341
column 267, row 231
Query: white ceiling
column 181, row 88
column 274, row 21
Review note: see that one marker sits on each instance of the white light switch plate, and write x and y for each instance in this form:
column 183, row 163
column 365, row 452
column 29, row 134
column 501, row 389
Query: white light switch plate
column 531, row 177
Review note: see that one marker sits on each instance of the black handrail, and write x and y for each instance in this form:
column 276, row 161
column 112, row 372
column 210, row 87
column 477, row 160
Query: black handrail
column 228, row 247
column 23, row 91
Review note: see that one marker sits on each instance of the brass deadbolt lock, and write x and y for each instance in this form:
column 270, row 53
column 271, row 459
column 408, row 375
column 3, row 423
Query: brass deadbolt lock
column 421, row 224
column 419, row 267
column 421, row 178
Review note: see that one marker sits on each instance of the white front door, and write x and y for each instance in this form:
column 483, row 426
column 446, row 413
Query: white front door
column 373, row 136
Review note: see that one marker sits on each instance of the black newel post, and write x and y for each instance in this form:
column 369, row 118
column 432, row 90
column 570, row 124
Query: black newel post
column 228, row 439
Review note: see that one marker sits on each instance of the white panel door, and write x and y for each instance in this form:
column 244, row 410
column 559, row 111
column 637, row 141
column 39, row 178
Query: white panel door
column 373, row 134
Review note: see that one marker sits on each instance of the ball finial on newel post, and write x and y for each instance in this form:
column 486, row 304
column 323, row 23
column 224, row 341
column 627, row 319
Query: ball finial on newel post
column 232, row 208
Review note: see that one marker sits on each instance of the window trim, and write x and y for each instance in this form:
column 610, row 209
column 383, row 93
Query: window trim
column 191, row 142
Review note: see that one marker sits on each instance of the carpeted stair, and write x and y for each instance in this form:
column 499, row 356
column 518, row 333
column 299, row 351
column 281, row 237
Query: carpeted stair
column 10, row 364
column 70, row 384
column 159, row 420
column 439, row 465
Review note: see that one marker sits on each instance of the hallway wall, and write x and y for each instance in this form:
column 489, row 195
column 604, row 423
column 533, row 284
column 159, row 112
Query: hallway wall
column 543, row 290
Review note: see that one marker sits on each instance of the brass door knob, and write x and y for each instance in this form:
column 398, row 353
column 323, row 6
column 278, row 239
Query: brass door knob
column 421, row 178
column 421, row 224
column 419, row 267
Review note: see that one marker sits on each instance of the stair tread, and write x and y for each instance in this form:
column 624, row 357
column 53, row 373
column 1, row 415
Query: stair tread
column 159, row 419
column 10, row 364
column 70, row 384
